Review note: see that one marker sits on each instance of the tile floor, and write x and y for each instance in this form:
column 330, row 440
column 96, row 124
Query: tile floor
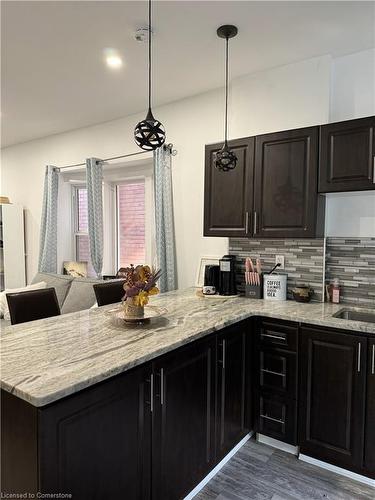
column 259, row 472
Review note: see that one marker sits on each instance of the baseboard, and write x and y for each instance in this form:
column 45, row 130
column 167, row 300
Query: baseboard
column 216, row 469
column 338, row 470
column 275, row 443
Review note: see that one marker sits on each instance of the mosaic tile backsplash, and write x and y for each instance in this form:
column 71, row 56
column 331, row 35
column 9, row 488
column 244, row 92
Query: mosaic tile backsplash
column 352, row 260
column 304, row 260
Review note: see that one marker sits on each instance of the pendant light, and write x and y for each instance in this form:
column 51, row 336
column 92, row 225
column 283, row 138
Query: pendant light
column 149, row 134
column 225, row 159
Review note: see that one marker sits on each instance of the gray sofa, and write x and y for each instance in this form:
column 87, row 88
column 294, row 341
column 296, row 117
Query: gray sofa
column 73, row 294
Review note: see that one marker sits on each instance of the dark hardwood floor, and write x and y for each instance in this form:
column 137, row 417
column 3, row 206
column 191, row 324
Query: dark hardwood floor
column 259, row 472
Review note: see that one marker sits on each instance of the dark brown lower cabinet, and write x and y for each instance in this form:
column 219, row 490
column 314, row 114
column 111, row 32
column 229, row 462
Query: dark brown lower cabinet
column 93, row 445
column 369, row 462
column 275, row 362
column 183, row 444
column 233, row 388
column 332, row 397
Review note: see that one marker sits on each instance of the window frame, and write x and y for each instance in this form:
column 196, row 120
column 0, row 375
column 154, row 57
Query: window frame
column 75, row 218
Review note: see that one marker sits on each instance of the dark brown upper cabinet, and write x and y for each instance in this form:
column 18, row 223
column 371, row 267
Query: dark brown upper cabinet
column 286, row 203
column 228, row 196
column 347, row 152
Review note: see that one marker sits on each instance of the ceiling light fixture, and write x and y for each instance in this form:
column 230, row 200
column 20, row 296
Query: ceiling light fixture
column 225, row 159
column 149, row 134
column 113, row 59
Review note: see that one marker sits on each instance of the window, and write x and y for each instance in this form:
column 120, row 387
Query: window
column 131, row 223
column 127, row 223
column 81, row 237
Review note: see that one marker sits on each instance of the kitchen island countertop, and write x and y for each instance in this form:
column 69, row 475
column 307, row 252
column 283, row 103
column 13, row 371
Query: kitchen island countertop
column 46, row 360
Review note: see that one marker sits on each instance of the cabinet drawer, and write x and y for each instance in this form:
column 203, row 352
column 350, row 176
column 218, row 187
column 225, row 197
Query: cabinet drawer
column 276, row 417
column 278, row 335
column 277, row 372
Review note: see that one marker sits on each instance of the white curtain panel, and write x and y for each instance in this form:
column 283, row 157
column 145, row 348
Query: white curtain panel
column 164, row 220
column 48, row 226
column 94, row 182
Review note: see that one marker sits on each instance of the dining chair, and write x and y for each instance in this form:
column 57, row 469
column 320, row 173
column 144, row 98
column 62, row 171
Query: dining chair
column 109, row 293
column 32, row 305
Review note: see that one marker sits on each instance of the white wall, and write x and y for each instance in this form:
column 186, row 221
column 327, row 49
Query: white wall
column 292, row 96
column 352, row 96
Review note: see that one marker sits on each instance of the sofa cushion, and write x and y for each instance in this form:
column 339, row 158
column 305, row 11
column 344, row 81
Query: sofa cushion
column 60, row 282
column 81, row 295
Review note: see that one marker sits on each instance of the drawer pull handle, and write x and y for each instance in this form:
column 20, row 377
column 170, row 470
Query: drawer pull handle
column 373, row 170
column 373, row 360
column 270, row 336
column 278, row 420
column 247, row 223
column 273, row 373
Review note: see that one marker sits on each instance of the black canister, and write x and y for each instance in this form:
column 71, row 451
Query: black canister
column 211, row 276
column 227, row 275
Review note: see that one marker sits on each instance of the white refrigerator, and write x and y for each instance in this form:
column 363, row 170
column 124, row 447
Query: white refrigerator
column 12, row 247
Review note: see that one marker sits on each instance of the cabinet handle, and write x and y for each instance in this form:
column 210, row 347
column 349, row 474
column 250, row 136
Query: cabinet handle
column 269, row 336
column 273, row 373
column 278, row 420
column 373, row 170
column 255, row 223
column 152, row 392
column 222, row 360
column 359, row 358
column 247, row 223
column 224, row 354
column 373, row 360
column 162, row 386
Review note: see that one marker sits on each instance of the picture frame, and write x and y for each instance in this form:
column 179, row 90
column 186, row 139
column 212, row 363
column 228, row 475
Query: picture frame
column 75, row 269
column 203, row 262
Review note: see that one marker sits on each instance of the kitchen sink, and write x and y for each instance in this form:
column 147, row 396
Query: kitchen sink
column 356, row 315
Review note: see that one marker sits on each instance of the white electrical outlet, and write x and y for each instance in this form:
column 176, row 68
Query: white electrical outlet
column 280, row 259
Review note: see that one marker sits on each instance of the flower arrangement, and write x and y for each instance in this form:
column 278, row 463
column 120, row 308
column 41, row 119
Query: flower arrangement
column 140, row 283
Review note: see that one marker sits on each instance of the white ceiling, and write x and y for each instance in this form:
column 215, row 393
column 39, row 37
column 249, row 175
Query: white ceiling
column 54, row 78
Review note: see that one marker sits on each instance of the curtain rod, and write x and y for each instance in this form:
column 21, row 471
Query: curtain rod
column 166, row 146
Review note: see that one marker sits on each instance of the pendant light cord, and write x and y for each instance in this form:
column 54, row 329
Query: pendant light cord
column 226, row 89
column 149, row 53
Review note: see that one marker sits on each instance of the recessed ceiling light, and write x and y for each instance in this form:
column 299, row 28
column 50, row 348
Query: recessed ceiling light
column 113, row 59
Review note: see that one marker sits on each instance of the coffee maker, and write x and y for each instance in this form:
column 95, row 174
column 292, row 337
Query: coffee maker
column 227, row 275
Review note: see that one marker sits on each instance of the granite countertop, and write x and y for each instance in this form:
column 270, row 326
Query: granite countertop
column 43, row 361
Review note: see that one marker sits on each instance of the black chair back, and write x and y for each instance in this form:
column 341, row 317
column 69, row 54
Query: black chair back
column 109, row 293
column 32, row 305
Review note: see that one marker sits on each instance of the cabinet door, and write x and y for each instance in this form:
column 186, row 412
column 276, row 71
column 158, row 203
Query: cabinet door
column 370, row 412
column 332, row 392
column 183, row 420
column 233, row 388
column 285, row 187
column 347, row 152
column 228, row 196
column 96, row 444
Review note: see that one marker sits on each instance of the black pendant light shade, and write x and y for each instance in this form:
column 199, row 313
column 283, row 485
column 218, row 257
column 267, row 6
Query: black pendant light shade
column 225, row 159
column 149, row 134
